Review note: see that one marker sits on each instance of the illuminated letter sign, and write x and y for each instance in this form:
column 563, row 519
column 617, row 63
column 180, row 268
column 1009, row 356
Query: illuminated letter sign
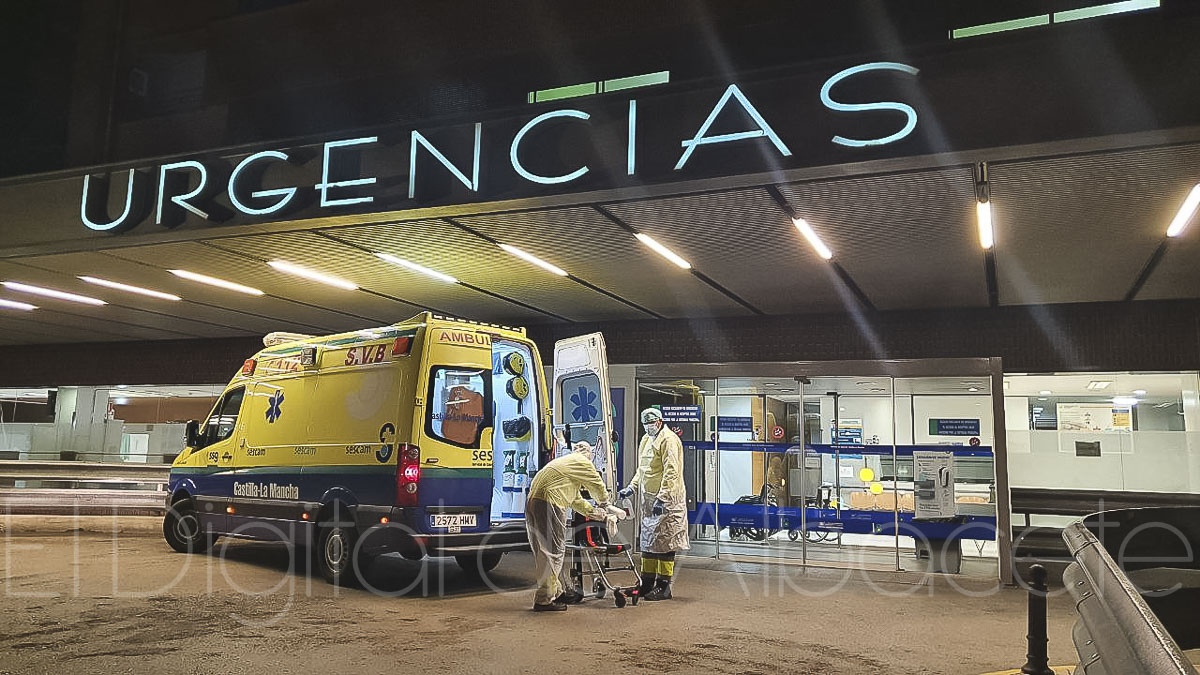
column 179, row 200
column 136, row 196
column 857, row 107
column 763, row 129
column 472, row 183
column 324, row 185
column 285, row 194
column 544, row 180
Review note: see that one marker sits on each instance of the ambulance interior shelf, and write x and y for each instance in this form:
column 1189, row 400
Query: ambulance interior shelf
column 515, row 442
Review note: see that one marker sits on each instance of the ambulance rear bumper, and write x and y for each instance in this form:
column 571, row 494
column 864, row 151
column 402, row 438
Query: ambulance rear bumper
column 400, row 535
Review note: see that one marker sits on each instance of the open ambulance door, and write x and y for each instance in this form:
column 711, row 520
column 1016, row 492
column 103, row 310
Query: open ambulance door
column 583, row 403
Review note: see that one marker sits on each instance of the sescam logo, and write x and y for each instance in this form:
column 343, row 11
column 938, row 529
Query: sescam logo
column 465, row 339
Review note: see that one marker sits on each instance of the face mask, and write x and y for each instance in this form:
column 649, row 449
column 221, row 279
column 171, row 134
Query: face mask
column 652, row 428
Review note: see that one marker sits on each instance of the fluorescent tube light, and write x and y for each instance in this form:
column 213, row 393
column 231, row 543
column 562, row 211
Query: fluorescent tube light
column 130, row 289
column 288, row 267
column 213, row 281
column 1044, row 392
column 416, row 268
column 12, row 304
column 1139, row 392
column 1000, row 26
column 1105, row 10
column 1180, row 223
column 534, row 259
column 51, row 293
column 987, row 236
column 811, row 235
column 1096, row 385
column 1125, row 401
column 663, row 251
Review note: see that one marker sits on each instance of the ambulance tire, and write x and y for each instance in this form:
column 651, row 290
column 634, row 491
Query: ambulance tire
column 182, row 531
column 476, row 563
column 334, row 553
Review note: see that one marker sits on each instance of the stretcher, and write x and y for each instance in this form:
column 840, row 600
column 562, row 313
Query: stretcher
column 594, row 556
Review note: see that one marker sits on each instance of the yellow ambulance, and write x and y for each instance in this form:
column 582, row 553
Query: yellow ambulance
column 418, row 438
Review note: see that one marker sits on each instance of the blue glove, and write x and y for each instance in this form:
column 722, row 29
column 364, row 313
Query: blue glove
column 625, row 492
column 658, row 508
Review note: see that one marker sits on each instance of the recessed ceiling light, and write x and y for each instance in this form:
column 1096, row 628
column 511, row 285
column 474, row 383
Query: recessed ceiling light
column 213, row 281
column 1043, row 398
column 530, row 258
column 122, row 386
column 813, row 240
column 1124, row 400
column 130, row 289
column 313, row 275
column 12, row 304
column 973, row 389
column 770, row 384
column 663, row 251
column 1095, row 385
column 786, row 391
column 1139, row 392
column 1045, row 392
column 388, row 257
column 987, row 236
column 51, row 293
column 120, row 401
column 1184, row 216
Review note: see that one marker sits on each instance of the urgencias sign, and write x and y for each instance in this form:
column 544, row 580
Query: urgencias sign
column 586, row 144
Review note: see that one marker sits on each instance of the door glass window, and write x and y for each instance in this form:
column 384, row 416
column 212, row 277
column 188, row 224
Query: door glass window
column 460, row 406
column 224, row 416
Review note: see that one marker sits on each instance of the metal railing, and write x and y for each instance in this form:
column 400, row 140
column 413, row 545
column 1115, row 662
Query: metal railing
column 1135, row 580
column 82, row 488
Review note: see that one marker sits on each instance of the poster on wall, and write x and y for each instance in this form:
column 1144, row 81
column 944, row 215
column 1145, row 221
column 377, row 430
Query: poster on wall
column 954, row 427
column 849, row 431
column 680, row 413
column 934, row 485
column 1094, row 417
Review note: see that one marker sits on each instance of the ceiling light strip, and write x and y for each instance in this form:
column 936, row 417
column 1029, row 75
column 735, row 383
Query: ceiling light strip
column 13, row 304
column 1000, row 26
column 663, row 251
column 408, row 264
column 213, row 281
column 129, row 289
column 1185, row 214
column 811, row 235
column 51, row 293
column 312, row 275
column 987, row 233
column 530, row 258
column 1105, row 10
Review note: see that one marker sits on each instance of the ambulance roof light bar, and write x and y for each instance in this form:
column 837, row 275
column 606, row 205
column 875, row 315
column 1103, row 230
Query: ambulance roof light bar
column 281, row 337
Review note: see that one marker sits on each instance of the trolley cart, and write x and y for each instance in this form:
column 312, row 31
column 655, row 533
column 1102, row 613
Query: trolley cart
column 594, row 556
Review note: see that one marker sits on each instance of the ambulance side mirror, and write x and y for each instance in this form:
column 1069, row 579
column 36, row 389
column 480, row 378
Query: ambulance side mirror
column 191, row 434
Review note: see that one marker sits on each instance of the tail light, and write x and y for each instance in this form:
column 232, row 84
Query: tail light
column 408, row 475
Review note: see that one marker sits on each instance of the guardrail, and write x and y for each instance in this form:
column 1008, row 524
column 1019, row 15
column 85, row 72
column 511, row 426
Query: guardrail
column 1136, row 583
column 82, row 488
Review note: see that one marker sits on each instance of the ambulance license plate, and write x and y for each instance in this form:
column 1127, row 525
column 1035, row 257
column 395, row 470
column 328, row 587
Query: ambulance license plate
column 454, row 522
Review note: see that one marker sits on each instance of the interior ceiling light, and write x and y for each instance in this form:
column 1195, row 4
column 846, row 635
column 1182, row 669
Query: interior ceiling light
column 1096, row 385
column 534, row 259
column 388, row 257
column 663, row 251
column 1180, row 223
column 987, row 236
column 813, row 240
column 1139, row 392
column 213, row 281
column 1044, row 392
column 973, row 389
column 12, row 304
column 51, row 293
column 288, row 267
column 130, row 289
column 1125, row 400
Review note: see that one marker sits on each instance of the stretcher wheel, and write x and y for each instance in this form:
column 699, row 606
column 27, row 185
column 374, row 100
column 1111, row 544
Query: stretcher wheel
column 619, row 597
column 598, row 589
column 794, row 534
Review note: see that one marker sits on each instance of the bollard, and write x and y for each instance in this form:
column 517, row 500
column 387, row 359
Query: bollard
column 1037, row 662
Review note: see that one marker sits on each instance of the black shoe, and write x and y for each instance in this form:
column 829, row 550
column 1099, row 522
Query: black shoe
column 551, row 607
column 662, row 591
column 648, row 584
column 569, row 598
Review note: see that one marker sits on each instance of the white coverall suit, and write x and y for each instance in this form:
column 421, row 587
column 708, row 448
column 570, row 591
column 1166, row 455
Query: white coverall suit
column 660, row 480
column 555, row 488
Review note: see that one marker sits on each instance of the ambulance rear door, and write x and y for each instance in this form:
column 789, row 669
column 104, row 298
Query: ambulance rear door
column 582, row 400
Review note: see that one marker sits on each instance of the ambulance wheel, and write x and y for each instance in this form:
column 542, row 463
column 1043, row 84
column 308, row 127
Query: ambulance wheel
column 334, row 552
column 182, row 530
column 478, row 563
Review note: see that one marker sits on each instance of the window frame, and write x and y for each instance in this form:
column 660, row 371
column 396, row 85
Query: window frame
column 218, row 412
column 485, row 373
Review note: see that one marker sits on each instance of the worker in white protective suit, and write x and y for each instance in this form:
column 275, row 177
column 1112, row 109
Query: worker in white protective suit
column 663, row 504
column 555, row 488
